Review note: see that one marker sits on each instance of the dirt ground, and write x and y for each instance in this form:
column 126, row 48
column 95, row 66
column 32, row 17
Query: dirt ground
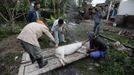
column 10, row 44
column 10, row 53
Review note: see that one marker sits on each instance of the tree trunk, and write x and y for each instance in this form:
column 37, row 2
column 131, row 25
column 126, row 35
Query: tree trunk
column 54, row 9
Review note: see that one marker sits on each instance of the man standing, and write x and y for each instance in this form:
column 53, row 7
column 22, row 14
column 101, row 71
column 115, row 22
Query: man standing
column 97, row 20
column 113, row 15
column 29, row 40
column 58, row 31
column 34, row 14
column 97, row 46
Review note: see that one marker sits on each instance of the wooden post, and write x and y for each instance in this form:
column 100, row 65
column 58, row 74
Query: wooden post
column 109, row 9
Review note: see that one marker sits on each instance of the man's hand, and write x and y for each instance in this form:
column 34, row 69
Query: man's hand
column 54, row 44
column 52, row 32
column 84, row 42
column 88, row 49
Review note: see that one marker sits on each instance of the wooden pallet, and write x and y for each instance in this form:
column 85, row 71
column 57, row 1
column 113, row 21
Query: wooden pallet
column 27, row 68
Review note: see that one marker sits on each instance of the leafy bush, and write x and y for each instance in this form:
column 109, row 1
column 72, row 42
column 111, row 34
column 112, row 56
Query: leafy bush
column 51, row 20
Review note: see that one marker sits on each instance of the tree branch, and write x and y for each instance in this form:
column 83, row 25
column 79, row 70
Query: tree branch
column 4, row 17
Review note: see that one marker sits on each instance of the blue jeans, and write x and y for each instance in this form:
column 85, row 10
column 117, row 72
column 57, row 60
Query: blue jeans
column 97, row 54
column 59, row 37
column 96, row 28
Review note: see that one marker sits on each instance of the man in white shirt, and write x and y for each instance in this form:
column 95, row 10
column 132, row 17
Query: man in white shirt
column 58, row 31
column 29, row 41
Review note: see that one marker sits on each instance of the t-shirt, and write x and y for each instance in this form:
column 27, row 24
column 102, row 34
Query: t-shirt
column 97, row 17
column 55, row 26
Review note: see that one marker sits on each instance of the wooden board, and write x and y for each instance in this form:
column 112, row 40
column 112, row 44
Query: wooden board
column 27, row 68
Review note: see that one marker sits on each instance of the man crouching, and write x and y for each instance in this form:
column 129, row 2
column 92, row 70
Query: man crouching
column 97, row 46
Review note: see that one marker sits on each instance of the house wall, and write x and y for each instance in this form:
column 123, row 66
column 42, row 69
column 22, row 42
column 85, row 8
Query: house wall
column 126, row 7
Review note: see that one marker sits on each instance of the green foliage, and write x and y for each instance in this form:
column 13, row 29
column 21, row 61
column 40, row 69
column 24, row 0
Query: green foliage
column 51, row 20
column 116, row 64
column 24, row 6
column 44, row 42
column 58, row 7
column 47, row 3
column 12, row 10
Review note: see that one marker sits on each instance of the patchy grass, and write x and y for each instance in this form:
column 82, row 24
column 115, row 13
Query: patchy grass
column 81, row 31
column 5, row 34
column 118, row 38
column 9, row 50
column 9, row 66
column 84, row 66
column 116, row 64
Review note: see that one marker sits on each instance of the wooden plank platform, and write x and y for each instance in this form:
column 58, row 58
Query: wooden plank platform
column 27, row 68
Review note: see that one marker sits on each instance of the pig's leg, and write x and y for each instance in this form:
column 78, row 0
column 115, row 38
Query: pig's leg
column 60, row 59
column 63, row 58
column 82, row 50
